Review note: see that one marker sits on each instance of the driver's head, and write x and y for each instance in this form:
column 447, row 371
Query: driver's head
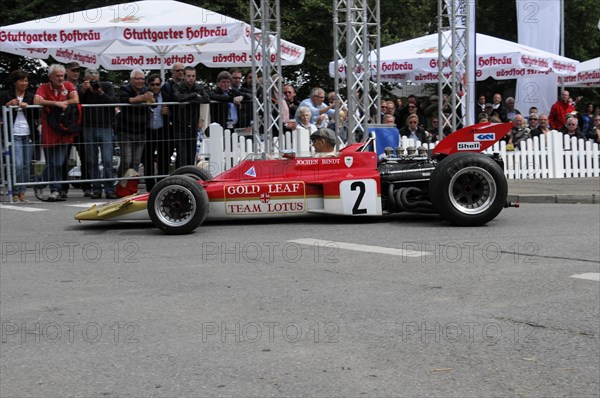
column 323, row 140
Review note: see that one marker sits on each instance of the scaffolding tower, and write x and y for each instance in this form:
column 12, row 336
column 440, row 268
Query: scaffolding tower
column 356, row 49
column 455, row 87
column 266, row 64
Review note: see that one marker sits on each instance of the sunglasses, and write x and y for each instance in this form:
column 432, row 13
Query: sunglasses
column 154, row 84
column 287, row 92
column 533, row 118
column 178, row 70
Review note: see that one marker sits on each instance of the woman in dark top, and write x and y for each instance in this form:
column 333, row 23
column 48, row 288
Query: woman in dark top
column 21, row 128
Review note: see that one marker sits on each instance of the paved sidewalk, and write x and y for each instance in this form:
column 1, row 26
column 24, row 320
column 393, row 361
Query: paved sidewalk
column 555, row 190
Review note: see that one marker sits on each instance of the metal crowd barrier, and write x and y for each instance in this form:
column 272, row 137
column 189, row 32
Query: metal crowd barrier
column 125, row 134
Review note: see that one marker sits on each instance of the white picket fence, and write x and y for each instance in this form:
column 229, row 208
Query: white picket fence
column 552, row 156
column 225, row 149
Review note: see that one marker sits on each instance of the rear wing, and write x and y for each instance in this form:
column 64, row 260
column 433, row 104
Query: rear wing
column 475, row 138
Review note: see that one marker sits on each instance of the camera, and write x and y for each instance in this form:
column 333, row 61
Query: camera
column 95, row 84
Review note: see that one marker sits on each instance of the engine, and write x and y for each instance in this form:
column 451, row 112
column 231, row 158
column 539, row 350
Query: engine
column 405, row 180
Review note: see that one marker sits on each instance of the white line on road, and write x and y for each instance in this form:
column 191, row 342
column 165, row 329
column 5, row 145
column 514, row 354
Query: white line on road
column 362, row 248
column 30, row 209
column 592, row 276
column 87, row 205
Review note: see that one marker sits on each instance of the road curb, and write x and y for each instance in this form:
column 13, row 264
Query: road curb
column 550, row 198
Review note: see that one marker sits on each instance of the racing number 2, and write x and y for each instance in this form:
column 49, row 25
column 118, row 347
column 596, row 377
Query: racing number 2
column 361, row 192
column 359, row 197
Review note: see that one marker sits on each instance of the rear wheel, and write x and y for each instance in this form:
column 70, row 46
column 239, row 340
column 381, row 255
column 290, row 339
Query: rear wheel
column 468, row 189
column 178, row 204
column 194, row 172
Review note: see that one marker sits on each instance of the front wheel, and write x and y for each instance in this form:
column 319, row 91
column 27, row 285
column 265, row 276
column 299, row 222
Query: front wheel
column 177, row 205
column 468, row 189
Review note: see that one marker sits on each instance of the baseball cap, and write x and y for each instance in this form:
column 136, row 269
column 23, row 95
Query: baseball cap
column 72, row 65
column 324, row 133
column 488, row 105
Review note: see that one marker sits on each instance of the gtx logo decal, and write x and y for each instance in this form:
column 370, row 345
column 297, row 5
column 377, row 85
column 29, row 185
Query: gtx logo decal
column 485, row 137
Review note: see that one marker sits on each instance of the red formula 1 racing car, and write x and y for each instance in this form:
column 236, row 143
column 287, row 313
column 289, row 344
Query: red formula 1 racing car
column 457, row 181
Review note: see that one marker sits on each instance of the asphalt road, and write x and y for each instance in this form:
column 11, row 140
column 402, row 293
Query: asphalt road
column 399, row 306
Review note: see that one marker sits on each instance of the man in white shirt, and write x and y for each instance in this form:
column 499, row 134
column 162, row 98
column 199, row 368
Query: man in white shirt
column 317, row 106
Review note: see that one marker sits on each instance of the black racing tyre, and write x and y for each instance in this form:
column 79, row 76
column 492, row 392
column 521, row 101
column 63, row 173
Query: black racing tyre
column 178, row 204
column 194, row 172
column 468, row 189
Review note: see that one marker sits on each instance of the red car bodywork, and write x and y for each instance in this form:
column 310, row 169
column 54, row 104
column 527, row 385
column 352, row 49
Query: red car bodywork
column 346, row 184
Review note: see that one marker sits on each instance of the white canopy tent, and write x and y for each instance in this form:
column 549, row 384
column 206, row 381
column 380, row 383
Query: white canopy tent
column 416, row 60
column 588, row 75
column 150, row 34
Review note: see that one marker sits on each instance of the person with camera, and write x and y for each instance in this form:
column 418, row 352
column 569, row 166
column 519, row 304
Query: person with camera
column 132, row 121
column 97, row 133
